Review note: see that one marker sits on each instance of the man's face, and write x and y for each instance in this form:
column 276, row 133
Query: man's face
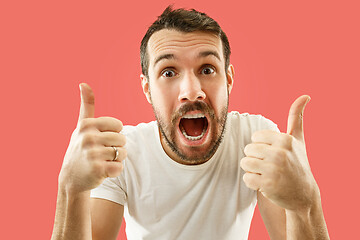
column 188, row 88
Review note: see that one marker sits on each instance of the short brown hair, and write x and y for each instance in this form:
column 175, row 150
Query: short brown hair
column 184, row 21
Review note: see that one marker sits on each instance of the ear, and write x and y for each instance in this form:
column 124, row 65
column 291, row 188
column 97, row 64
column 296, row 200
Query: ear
column 145, row 87
column 230, row 77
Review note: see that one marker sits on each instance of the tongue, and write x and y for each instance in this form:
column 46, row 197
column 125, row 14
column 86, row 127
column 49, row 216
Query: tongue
column 193, row 127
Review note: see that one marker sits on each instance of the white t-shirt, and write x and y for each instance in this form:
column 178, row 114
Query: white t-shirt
column 166, row 200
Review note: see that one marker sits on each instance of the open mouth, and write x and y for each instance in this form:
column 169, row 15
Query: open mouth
column 193, row 126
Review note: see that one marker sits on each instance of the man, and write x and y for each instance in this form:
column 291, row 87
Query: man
column 198, row 171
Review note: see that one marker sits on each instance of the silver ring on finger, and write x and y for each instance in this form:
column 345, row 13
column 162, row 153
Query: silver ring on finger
column 116, row 154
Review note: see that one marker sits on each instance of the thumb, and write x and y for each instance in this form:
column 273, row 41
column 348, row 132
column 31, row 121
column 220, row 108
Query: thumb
column 87, row 107
column 295, row 119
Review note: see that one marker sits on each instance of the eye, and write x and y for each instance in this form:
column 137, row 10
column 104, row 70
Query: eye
column 207, row 70
column 168, row 73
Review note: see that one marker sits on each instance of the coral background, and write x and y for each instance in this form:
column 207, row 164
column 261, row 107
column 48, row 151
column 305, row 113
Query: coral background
column 280, row 50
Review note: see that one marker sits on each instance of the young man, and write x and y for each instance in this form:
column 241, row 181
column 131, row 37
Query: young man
column 198, row 171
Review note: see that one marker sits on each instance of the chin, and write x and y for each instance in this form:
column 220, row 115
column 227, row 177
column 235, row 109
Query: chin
column 194, row 132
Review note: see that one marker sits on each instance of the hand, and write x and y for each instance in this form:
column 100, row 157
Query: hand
column 276, row 164
column 89, row 157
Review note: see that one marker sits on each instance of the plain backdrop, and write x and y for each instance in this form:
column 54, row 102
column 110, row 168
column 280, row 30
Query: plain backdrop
column 280, row 50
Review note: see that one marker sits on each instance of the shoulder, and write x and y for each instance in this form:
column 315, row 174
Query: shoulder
column 139, row 130
column 140, row 136
column 250, row 122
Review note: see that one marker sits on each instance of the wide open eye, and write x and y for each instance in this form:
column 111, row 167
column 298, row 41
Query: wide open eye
column 168, row 73
column 207, row 70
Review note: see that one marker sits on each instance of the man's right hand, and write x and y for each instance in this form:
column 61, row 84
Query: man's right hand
column 89, row 157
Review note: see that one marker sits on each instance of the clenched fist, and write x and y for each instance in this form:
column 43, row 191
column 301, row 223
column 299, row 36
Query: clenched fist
column 90, row 156
column 276, row 164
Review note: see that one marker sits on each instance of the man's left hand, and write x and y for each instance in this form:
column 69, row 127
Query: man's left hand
column 276, row 164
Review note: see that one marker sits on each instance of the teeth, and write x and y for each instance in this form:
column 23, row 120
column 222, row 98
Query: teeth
column 197, row 115
column 191, row 137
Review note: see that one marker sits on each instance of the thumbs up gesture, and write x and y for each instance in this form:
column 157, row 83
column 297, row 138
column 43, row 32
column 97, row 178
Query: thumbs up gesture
column 276, row 164
column 96, row 148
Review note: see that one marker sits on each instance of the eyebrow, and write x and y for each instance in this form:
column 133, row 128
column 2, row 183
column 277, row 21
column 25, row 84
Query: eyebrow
column 209, row 53
column 164, row 56
column 201, row 55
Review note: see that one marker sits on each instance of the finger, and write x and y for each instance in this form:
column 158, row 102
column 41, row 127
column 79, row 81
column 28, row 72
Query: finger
column 109, row 124
column 113, row 168
column 252, row 180
column 106, row 154
column 87, row 106
column 264, row 136
column 272, row 138
column 109, row 139
column 295, row 118
column 122, row 153
column 103, row 124
column 257, row 150
column 252, row 165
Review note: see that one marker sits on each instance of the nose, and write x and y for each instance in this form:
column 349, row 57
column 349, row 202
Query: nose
column 191, row 89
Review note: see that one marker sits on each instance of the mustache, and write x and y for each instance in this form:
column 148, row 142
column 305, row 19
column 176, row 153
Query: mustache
column 193, row 106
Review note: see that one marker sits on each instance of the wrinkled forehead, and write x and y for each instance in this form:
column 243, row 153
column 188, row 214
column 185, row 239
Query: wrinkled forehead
column 168, row 41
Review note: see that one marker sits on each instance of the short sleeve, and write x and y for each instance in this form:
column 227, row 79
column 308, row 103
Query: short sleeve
column 268, row 124
column 111, row 189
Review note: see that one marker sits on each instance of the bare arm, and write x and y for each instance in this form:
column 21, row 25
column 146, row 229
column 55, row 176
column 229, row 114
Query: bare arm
column 307, row 224
column 106, row 218
column 72, row 217
column 273, row 217
column 276, row 165
column 79, row 217
column 95, row 152
column 286, row 224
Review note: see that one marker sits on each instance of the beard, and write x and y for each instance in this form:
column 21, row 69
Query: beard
column 168, row 130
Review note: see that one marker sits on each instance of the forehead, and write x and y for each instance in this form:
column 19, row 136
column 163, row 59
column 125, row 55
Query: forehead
column 176, row 42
